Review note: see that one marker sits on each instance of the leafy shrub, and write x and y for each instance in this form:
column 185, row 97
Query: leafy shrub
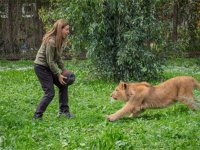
column 120, row 47
column 116, row 34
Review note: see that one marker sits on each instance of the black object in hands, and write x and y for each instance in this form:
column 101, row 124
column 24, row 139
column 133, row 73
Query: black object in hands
column 70, row 77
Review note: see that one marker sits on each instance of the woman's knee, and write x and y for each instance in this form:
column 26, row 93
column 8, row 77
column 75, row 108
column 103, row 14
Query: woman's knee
column 50, row 93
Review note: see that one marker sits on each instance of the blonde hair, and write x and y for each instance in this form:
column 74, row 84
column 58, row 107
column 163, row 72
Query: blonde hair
column 56, row 31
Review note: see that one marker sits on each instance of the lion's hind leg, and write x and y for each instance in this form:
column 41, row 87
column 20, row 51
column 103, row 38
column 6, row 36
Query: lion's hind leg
column 189, row 101
column 186, row 96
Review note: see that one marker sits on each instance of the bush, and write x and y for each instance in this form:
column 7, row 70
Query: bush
column 120, row 47
column 116, row 34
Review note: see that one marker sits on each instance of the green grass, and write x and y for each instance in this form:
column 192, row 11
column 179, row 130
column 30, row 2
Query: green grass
column 175, row 127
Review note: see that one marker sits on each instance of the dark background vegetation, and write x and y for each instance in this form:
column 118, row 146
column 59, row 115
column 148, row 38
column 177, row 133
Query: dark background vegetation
column 125, row 39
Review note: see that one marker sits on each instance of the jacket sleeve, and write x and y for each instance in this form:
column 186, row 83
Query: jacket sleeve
column 50, row 56
column 60, row 62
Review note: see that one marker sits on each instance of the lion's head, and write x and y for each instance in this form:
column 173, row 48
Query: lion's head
column 124, row 90
column 120, row 92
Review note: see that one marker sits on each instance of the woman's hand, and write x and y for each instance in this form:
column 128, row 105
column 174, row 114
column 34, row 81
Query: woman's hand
column 61, row 79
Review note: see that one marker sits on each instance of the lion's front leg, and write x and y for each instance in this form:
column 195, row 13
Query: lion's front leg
column 120, row 113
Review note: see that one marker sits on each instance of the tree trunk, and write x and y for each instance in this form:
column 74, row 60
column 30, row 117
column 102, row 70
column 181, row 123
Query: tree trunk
column 39, row 25
column 9, row 40
column 175, row 22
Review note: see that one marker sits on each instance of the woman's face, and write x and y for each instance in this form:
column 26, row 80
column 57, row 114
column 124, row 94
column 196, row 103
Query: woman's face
column 65, row 31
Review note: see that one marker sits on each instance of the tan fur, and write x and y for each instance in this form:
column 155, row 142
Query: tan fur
column 142, row 95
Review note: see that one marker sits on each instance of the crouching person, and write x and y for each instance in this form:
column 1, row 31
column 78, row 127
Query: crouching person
column 48, row 65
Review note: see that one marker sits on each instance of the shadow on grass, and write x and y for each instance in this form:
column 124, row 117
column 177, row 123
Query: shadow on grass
column 150, row 116
column 159, row 114
column 141, row 117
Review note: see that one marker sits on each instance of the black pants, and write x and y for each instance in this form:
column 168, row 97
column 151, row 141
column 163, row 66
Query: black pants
column 47, row 80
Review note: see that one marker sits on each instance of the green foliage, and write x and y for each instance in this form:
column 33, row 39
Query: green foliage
column 122, row 49
column 187, row 29
column 175, row 127
column 114, row 34
column 126, row 39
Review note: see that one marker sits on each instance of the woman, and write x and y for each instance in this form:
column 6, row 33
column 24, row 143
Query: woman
column 47, row 58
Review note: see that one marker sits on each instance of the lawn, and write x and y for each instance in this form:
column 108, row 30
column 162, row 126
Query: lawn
column 175, row 127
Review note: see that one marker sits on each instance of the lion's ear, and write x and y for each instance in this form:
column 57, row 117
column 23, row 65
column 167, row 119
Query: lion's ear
column 123, row 85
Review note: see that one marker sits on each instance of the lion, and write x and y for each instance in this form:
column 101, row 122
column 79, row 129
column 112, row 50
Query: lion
column 142, row 95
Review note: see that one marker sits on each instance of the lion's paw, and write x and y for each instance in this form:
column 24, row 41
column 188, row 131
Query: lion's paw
column 110, row 118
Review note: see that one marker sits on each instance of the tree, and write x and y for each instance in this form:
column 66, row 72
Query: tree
column 125, row 39
column 120, row 49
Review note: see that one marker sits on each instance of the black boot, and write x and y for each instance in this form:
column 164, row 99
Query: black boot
column 66, row 114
